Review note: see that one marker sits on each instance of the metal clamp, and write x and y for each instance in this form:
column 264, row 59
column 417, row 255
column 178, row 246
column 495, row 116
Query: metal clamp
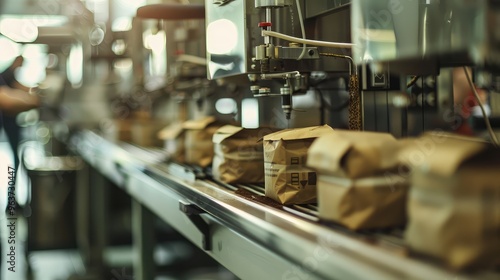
column 193, row 213
column 272, row 3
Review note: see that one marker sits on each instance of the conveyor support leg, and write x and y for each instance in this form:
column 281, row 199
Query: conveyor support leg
column 193, row 212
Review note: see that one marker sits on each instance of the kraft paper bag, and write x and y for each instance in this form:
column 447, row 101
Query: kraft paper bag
column 173, row 137
column 454, row 202
column 368, row 203
column 358, row 183
column 239, row 155
column 287, row 179
column 198, row 142
column 143, row 132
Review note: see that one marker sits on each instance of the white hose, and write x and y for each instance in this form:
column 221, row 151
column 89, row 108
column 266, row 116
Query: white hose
column 192, row 59
column 301, row 20
column 306, row 41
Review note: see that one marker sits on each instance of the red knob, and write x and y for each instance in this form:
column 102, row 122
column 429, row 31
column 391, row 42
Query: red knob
column 265, row 24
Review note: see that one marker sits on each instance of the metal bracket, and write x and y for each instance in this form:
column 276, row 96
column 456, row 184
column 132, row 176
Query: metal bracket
column 193, row 213
column 294, row 52
column 272, row 3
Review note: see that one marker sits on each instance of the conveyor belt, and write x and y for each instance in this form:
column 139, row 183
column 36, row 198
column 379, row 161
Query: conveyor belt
column 264, row 238
column 391, row 238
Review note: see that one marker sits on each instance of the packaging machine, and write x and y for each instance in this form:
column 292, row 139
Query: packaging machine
column 383, row 66
column 351, row 65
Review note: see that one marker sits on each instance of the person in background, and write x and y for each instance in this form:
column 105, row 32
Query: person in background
column 9, row 74
column 14, row 99
column 12, row 102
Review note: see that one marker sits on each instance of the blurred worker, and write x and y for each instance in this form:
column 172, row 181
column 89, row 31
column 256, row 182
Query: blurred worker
column 14, row 98
column 465, row 102
column 12, row 102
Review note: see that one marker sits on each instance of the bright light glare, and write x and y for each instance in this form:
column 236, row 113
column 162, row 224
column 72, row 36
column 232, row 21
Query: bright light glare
column 123, row 65
column 19, row 30
column 250, row 113
column 133, row 3
column 155, row 42
column 121, row 24
column 9, row 51
column 100, row 8
column 38, row 20
column 222, row 36
column 74, row 65
column 226, row 106
column 24, row 28
column 32, row 72
column 129, row 7
column 35, row 52
column 119, row 47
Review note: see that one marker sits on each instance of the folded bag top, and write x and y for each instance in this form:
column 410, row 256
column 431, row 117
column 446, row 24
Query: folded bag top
column 354, row 154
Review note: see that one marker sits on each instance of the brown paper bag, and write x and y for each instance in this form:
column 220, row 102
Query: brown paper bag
column 198, row 146
column 287, row 179
column 454, row 202
column 144, row 132
column 354, row 154
column 238, row 154
column 366, row 203
column 173, row 137
column 356, row 187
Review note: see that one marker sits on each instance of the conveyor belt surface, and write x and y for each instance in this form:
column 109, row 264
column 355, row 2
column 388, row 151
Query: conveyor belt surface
column 262, row 237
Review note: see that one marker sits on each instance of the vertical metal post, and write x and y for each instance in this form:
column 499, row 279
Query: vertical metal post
column 99, row 219
column 82, row 213
column 143, row 240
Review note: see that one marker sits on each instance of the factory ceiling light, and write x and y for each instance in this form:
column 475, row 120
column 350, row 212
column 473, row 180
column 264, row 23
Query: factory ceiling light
column 25, row 28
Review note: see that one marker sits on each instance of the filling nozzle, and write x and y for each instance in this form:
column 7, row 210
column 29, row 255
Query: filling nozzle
column 286, row 91
column 286, row 100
